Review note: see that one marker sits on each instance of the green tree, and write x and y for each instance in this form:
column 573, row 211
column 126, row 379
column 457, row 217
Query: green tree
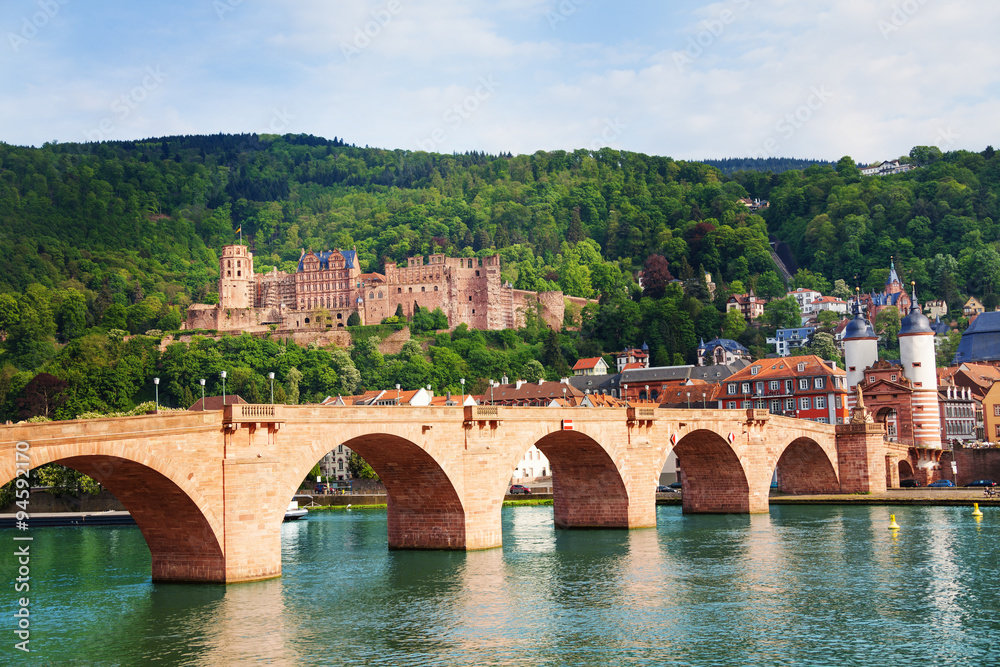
column 354, row 320
column 733, row 324
column 782, row 313
column 359, row 468
column 887, row 323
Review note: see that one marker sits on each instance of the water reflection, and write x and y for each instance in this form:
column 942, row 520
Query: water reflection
column 803, row 586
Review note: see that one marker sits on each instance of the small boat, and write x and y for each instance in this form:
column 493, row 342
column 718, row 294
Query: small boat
column 294, row 512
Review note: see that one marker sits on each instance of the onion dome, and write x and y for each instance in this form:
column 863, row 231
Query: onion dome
column 859, row 327
column 916, row 322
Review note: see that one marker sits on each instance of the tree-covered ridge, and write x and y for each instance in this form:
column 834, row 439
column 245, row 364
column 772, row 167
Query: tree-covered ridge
column 774, row 165
column 939, row 222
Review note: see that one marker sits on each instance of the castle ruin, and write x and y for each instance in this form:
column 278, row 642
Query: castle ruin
column 328, row 286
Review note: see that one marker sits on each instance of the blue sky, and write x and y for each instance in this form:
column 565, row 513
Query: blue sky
column 819, row 79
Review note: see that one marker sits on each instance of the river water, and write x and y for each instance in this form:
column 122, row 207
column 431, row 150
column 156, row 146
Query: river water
column 818, row 585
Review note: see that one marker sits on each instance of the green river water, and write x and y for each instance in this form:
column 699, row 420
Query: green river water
column 803, row 585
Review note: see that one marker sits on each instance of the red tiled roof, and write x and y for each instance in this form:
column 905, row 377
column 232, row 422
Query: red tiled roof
column 785, row 367
column 215, row 402
column 632, row 365
column 584, row 364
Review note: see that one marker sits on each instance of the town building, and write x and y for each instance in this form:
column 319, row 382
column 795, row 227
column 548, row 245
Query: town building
column 786, row 340
column 886, row 168
column 958, row 415
column 991, row 413
column 533, row 394
column 328, row 287
column 750, row 305
column 973, row 307
column 804, row 297
column 830, row 303
column 892, row 295
column 633, row 358
column 532, row 466
column 936, row 308
column 721, row 352
column 805, row 387
column 649, row 384
column 980, row 341
column 590, row 366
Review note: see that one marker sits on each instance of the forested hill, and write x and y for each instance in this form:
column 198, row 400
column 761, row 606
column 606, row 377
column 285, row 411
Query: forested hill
column 774, row 165
column 155, row 212
column 100, row 240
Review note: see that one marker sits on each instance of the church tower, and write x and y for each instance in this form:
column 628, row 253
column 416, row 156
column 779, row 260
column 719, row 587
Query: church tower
column 236, row 288
column 860, row 346
column 916, row 356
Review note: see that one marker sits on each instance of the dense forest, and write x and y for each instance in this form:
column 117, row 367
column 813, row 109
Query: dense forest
column 104, row 245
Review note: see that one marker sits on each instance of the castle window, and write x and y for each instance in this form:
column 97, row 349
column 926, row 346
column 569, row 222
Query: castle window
column 340, row 316
column 411, row 289
column 871, row 378
column 916, row 364
column 239, row 274
column 435, row 288
column 423, row 289
column 473, row 311
column 229, row 263
column 470, row 298
column 229, row 274
column 477, row 274
column 399, row 290
column 380, row 295
column 239, row 263
column 307, row 320
column 892, row 378
column 371, row 295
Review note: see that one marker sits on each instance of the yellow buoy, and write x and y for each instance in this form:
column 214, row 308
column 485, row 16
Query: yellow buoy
column 892, row 522
column 976, row 512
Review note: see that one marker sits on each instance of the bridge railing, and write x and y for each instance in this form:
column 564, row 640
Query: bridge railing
column 252, row 412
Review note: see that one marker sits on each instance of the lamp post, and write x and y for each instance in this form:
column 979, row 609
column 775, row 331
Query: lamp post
column 689, row 400
column 491, row 391
column 156, row 385
column 270, row 376
column 202, row 383
column 463, row 390
column 223, row 376
column 647, row 392
column 397, row 393
column 625, row 394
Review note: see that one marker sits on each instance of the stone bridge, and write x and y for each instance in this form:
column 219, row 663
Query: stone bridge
column 209, row 490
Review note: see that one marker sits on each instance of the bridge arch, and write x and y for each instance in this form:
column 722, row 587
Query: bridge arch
column 905, row 470
column 712, row 476
column 425, row 510
column 805, row 467
column 180, row 527
column 587, row 486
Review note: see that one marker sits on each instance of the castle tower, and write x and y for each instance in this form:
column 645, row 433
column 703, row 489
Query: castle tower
column 916, row 355
column 860, row 345
column 236, row 286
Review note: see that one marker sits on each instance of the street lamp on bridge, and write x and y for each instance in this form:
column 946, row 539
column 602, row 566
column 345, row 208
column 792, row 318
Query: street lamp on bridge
column 223, row 376
column 156, row 385
column 270, row 376
column 202, row 383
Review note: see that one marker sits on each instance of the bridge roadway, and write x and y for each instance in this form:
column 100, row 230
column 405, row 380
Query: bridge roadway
column 209, row 489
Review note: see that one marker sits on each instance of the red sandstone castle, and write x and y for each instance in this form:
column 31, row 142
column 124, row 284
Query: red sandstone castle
column 328, row 286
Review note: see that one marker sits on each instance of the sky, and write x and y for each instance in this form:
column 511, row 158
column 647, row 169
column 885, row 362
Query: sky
column 691, row 80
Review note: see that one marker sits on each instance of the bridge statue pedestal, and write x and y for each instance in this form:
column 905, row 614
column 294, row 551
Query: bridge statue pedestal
column 861, row 454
